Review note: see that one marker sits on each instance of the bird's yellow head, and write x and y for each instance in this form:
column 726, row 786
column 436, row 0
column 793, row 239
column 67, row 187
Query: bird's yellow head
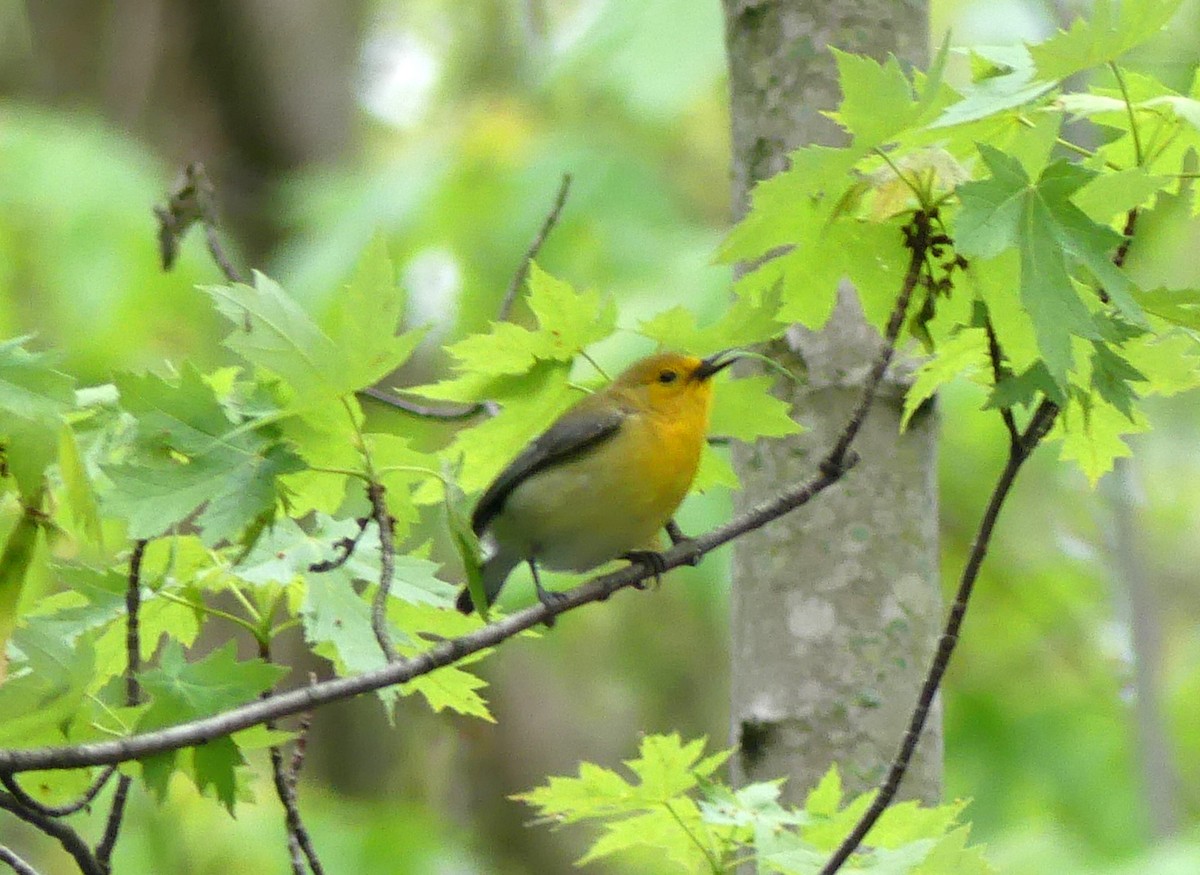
column 673, row 384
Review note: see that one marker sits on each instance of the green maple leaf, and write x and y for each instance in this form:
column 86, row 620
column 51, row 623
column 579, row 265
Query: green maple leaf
column 1092, row 431
column 215, row 764
column 568, row 321
column 46, row 685
column 1055, row 240
column 963, row 355
column 793, row 205
column 34, row 397
column 1111, row 376
column 188, row 455
column 1007, row 80
column 745, row 409
column 877, row 99
column 30, row 387
column 276, row 334
column 1113, row 29
column 362, row 319
column 181, row 691
column 749, row 319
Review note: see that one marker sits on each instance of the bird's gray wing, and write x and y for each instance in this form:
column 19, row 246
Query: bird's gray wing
column 576, row 430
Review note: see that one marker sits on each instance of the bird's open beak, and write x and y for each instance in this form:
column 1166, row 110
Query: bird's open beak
column 718, row 361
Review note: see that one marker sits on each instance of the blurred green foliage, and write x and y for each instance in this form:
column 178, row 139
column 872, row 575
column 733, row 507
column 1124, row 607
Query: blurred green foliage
column 1040, row 727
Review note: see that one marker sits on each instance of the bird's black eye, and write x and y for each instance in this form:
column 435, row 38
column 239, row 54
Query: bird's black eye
column 667, row 376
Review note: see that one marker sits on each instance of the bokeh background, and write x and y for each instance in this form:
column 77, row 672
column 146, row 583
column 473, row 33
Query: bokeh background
column 1073, row 705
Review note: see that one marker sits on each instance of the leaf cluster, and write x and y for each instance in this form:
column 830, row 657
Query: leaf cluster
column 672, row 808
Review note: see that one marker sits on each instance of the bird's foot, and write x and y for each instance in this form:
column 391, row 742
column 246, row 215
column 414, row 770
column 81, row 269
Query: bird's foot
column 652, row 560
column 551, row 600
column 678, row 537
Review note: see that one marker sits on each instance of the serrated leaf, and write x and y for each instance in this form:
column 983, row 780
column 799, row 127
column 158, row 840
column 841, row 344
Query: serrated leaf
column 1020, row 390
column 77, row 486
column 1053, row 237
column 1014, row 86
column 215, row 764
column 749, row 319
column 572, row 320
column 963, row 355
column 363, row 318
column 273, row 332
column 47, row 682
column 825, row 798
column 1111, row 376
column 451, row 688
column 794, row 204
column 877, row 99
column 189, row 455
column 30, row 387
column 181, row 691
column 1112, row 29
column 745, row 409
column 1091, row 432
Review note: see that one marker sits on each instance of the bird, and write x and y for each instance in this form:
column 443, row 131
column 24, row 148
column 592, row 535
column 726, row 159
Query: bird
column 603, row 479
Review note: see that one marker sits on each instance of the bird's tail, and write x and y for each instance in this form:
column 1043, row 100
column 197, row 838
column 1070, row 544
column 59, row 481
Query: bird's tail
column 496, row 569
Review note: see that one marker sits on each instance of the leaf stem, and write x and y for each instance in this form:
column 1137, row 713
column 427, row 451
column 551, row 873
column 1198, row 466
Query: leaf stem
column 1138, row 154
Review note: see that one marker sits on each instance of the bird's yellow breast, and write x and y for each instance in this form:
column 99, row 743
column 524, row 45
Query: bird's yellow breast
column 610, row 500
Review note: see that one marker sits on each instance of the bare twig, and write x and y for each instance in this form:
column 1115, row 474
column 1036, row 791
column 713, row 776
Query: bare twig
column 1038, row 426
column 191, row 202
column 997, row 357
column 518, row 280
column 70, row 840
column 429, row 411
column 444, row 653
column 345, row 546
column 300, row 847
column 464, row 411
column 133, row 649
column 917, row 236
column 377, row 493
column 16, row 863
column 85, row 799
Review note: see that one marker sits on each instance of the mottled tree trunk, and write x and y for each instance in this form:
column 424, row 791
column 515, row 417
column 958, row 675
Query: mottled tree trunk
column 836, row 607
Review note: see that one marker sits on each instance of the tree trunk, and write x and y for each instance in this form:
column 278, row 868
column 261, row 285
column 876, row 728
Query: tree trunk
column 836, row 607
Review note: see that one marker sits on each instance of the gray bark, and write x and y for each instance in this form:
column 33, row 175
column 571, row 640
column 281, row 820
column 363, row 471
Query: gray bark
column 836, row 608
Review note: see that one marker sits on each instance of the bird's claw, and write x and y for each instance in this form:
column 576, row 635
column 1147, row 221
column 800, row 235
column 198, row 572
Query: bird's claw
column 652, row 560
column 550, row 599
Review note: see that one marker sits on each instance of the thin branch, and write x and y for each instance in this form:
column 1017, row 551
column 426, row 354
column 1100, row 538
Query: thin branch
column 16, row 863
column 346, row 547
column 463, row 411
column 442, row 654
column 70, row 840
column 377, row 493
column 429, row 411
column 918, row 239
column 300, row 746
column 85, row 799
column 518, row 280
column 300, row 846
column 1131, row 220
column 133, row 694
column 1039, row 425
column 839, row 461
column 997, row 357
column 191, row 202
